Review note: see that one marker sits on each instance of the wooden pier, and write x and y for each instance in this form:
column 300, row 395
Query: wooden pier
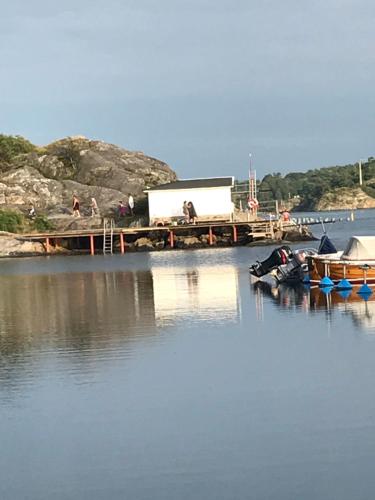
column 110, row 239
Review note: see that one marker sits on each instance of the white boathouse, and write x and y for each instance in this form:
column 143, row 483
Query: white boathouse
column 211, row 197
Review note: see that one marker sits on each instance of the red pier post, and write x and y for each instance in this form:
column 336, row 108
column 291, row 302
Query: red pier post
column 234, row 234
column 47, row 245
column 171, row 238
column 210, row 239
column 92, row 246
column 122, row 243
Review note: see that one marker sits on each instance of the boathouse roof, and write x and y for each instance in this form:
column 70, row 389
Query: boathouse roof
column 210, row 182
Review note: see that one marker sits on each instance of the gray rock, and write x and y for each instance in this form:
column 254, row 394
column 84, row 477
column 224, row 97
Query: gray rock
column 188, row 242
column 106, row 172
column 12, row 245
column 159, row 245
column 143, row 244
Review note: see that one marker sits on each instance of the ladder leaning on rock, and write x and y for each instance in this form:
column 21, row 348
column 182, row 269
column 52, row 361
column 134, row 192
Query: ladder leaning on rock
column 107, row 236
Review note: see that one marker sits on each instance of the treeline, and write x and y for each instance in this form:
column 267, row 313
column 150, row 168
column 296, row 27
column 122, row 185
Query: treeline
column 308, row 186
column 311, row 185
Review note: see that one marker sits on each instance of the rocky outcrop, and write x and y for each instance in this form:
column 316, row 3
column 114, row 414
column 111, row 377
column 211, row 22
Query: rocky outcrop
column 143, row 244
column 11, row 245
column 49, row 177
column 345, row 199
column 189, row 242
column 295, row 234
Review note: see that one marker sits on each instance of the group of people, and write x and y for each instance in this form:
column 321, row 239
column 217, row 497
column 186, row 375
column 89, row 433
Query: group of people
column 123, row 209
column 76, row 207
column 190, row 215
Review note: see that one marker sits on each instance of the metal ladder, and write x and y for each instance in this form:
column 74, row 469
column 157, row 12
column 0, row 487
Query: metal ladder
column 107, row 236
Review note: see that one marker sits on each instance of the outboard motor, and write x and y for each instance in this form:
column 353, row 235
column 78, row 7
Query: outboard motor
column 278, row 257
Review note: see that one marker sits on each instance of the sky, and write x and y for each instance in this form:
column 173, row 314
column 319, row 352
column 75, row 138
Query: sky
column 199, row 84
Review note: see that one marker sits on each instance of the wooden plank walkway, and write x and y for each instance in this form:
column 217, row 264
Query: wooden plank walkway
column 136, row 230
column 257, row 229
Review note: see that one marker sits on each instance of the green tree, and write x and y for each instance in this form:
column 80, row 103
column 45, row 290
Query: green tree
column 12, row 146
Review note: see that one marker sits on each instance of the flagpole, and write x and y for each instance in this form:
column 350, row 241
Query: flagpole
column 255, row 184
column 250, row 190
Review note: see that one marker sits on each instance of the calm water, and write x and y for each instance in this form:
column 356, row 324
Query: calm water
column 170, row 376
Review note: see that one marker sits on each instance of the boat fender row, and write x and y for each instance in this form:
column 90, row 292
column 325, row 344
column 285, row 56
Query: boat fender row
column 342, row 285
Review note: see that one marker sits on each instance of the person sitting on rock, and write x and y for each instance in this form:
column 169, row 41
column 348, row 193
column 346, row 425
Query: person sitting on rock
column 31, row 212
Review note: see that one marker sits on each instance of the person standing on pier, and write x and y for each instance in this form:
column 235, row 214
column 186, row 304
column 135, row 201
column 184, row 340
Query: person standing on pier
column 185, row 211
column 192, row 213
column 76, row 212
column 131, row 204
column 285, row 215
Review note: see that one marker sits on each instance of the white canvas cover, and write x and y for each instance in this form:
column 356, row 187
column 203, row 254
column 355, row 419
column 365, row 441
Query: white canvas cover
column 360, row 248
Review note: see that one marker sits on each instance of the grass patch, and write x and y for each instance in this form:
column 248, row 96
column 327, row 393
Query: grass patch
column 11, row 221
column 41, row 223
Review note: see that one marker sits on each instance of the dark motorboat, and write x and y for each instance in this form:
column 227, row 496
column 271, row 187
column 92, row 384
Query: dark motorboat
column 285, row 264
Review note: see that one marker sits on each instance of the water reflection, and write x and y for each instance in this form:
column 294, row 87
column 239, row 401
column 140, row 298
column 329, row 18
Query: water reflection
column 208, row 293
column 88, row 318
column 360, row 308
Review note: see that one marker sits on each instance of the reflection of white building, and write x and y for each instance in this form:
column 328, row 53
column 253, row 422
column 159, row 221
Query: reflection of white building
column 212, row 199
column 204, row 293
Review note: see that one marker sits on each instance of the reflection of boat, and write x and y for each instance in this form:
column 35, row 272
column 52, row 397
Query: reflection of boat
column 361, row 308
column 356, row 263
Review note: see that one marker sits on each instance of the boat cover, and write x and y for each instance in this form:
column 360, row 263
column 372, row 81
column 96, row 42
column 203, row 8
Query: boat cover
column 326, row 246
column 360, row 248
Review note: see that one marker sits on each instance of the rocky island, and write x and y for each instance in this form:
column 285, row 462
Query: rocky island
column 47, row 177
column 342, row 187
column 345, row 199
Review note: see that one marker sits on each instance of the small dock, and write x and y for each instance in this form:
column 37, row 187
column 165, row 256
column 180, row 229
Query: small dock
column 110, row 239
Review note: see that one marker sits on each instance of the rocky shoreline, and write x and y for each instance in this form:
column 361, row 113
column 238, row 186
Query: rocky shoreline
column 16, row 245
column 345, row 199
column 13, row 245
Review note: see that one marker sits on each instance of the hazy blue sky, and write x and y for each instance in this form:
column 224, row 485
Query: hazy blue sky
column 199, row 83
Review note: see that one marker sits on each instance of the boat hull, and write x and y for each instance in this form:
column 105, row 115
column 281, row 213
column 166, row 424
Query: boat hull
column 336, row 270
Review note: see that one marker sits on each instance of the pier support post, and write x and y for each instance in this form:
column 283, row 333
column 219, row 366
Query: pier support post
column 210, row 235
column 92, row 246
column 47, row 245
column 171, row 239
column 235, row 234
column 122, row 243
column 272, row 230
